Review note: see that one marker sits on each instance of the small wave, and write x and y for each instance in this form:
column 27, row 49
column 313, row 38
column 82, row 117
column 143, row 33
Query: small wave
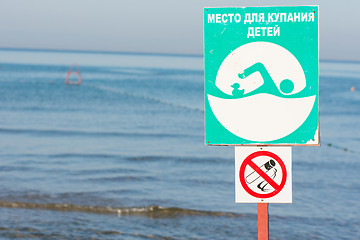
column 152, row 211
column 196, row 160
column 54, row 132
column 148, row 98
column 82, row 155
column 39, row 233
column 124, row 179
column 182, row 159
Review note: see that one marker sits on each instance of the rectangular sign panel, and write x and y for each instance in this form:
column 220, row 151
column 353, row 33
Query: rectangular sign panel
column 263, row 175
column 261, row 75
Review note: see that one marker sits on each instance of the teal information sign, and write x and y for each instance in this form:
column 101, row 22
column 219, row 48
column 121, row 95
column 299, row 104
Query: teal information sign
column 261, row 75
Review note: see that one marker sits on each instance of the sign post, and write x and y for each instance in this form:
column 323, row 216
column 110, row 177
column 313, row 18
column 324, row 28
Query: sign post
column 263, row 221
column 261, row 95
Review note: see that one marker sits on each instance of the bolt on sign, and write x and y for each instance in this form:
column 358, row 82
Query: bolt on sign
column 263, row 175
column 261, row 75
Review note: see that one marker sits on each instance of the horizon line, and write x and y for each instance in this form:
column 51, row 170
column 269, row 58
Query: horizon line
column 102, row 51
column 138, row 53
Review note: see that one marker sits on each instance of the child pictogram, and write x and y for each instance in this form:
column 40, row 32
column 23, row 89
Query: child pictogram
column 237, row 92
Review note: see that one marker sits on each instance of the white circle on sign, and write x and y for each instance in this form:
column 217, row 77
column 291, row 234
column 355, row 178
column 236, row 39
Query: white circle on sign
column 263, row 116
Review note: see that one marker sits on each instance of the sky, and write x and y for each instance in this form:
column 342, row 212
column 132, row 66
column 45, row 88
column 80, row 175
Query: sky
column 157, row 26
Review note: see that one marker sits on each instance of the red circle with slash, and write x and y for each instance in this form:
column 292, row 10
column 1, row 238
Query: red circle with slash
column 249, row 162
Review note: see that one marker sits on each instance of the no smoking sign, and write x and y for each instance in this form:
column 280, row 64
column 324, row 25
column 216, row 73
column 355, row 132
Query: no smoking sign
column 263, row 174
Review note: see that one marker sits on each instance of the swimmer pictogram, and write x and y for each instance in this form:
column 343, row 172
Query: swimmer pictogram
column 286, row 85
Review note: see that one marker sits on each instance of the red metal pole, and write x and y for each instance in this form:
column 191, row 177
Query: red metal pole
column 263, row 221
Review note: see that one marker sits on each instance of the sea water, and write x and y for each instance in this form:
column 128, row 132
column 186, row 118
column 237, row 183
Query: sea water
column 122, row 156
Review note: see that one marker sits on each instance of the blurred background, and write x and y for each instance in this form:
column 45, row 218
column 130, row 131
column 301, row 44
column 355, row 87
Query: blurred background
column 122, row 155
column 157, row 26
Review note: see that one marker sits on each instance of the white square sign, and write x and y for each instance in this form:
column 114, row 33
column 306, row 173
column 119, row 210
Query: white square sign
column 263, row 175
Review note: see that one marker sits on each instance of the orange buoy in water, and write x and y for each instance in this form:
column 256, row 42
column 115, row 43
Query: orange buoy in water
column 74, row 69
column 352, row 89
